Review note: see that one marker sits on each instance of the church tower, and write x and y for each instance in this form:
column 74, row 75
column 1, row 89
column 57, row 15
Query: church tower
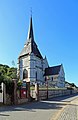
column 31, row 64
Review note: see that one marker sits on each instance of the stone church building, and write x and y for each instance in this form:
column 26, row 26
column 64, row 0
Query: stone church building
column 31, row 64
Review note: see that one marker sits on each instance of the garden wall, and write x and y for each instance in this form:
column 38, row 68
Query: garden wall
column 43, row 94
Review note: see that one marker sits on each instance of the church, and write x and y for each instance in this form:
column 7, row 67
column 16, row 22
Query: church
column 32, row 67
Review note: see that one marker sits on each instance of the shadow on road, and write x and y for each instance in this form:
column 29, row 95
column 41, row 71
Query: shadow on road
column 33, row 106
column 4, row 115
column 44, row 105
column 67, row 98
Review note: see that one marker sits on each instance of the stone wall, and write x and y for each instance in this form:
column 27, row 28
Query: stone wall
column 55, row 93
column 20, row 101
column 8, row 99
column 42, row 94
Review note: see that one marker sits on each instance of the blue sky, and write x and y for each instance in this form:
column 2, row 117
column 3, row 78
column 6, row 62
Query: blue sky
column 55, row 29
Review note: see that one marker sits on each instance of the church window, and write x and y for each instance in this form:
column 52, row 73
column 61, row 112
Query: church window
column 25, row 74
column 52, row 78
column 36, row 75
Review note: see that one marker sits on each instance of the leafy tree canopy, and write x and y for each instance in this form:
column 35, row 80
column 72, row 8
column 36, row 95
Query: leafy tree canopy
column 7, row 73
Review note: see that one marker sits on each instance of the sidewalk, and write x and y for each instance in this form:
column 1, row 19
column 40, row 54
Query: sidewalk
column 70, row 111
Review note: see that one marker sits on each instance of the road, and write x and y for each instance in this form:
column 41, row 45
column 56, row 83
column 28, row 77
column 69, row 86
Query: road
column 50, row 109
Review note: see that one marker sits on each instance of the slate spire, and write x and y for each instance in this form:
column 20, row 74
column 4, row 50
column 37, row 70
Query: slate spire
column 30, row 46
column 30, row 31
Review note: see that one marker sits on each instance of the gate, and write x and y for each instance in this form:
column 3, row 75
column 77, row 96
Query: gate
column 32, row 91
column 1, row 93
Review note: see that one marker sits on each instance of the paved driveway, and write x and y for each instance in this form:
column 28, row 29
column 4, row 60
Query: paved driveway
column 43, row 110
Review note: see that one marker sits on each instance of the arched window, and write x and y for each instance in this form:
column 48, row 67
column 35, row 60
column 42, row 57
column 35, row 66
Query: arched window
column 36, row 75
column 25, row 74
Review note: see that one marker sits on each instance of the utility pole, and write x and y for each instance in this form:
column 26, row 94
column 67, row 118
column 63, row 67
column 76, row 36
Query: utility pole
column 46, row 80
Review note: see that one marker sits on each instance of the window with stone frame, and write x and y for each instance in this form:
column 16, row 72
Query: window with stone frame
column 25, row 74
column 36, row 75
column 52, row 78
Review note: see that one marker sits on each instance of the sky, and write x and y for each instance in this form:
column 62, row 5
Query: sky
column 55, row 24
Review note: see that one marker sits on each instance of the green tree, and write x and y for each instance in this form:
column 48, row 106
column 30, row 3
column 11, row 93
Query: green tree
column 7, row 73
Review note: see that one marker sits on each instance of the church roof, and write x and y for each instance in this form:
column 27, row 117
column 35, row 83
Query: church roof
column 30, row 45
column 52, row 70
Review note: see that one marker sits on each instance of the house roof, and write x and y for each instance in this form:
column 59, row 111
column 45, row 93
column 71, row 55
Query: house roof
column 52, row 70
column 30, row 46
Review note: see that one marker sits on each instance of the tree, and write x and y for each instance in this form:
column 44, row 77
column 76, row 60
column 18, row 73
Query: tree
column 7, row 73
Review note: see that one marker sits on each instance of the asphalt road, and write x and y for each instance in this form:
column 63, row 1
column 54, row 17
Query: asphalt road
column 43, row 110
